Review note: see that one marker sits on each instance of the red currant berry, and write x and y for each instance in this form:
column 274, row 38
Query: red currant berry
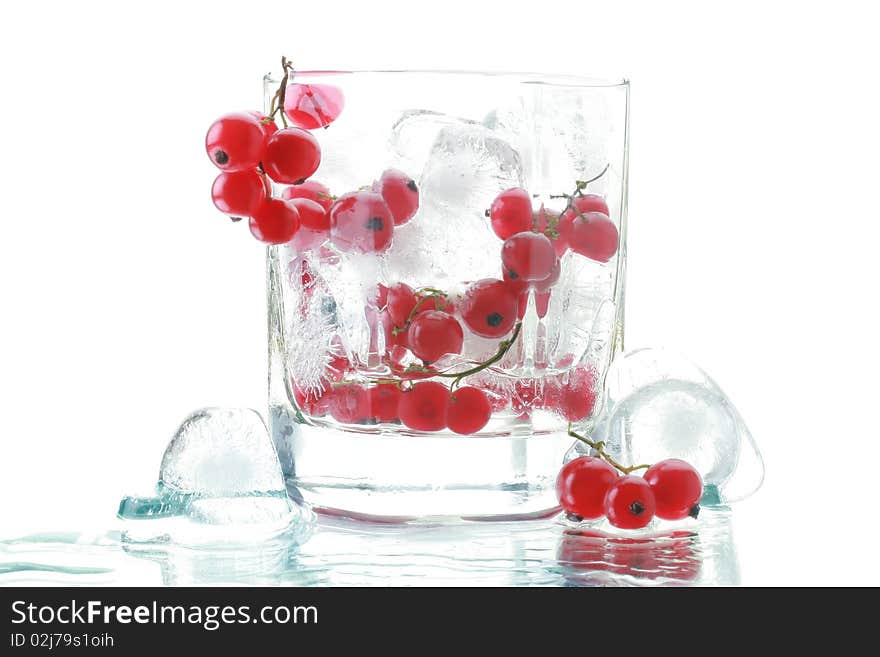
column 677, row 488
column 590, row 203
column 349, row 404
column 275, row 221
column 594, row 236
column 268, row 125
column 383, row 401
column 292, row 155
column 239, row 193
column 314, row 226
column 313, row 106
column 235, row 142
column 424, row 407
column 489, row 308
column 401, row 302
column 434, row 334
column 361, row 222
column 400, row 193
column 545, row 284
column 313, row 403
column 629, row 503
column 518, row 286
column 582, row 484
column 469, row 410
column 528, row 256
column 312, row 190
column 574, row 396
column 546, row 222
column 511, row 213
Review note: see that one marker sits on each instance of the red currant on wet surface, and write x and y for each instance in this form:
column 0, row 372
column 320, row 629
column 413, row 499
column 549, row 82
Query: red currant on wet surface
column 314, row 227
column 361, row 222
column 489, row 308
column 291, row 156
column 383, row 401
column 594, row 236
column 275, row 221
column 511, row 212
column 677, row 488
column 582, row 485
column 433, row 334
column 312, row 106
column 424, row 407
column 400, row 193
column 469, row 410
column 312, row 190
column 590, row 203
column 629, row 503
column 528, row 256
column 235, row 142
column 268, row 125
column 239, row 193
column 349, row 404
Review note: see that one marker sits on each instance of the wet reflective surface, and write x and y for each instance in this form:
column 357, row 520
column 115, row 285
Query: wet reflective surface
column 341, row 552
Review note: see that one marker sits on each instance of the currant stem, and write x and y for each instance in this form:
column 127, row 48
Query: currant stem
column 503, row 347
column 277, row 104
column 599, row 446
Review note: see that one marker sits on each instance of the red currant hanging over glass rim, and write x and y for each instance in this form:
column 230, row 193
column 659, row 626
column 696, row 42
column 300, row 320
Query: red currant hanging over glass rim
column 442, row 289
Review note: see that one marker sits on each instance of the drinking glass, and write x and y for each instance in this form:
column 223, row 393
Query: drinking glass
column 341, row 367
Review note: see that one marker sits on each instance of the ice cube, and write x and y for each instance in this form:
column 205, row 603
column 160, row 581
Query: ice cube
column 449, row 239
column 220, row 481
column 221, row 452
column 414, row 133
column 558, row 144
column 660, row 405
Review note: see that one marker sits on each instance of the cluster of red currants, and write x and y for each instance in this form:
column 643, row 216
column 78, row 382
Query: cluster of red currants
column 590, row 487
column 534, row 241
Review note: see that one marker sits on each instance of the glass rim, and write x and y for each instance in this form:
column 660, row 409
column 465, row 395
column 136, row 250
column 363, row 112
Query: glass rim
column 520, row 77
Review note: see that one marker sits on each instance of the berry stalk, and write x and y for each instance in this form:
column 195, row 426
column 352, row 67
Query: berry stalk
column 599, row 447
column 503, row 347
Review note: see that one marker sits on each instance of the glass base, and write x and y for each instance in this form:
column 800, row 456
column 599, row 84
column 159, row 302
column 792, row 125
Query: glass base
column 418, row 477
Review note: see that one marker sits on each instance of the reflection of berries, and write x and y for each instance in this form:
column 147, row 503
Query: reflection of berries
column 594, row 236
column 552, row 278
column 424, row 407
column 469, row 410
column 511, row 213
column 582, row 485
column 314, row 227
column 239, row 193
column 312, row 106
column 434, row 334
column 235, row 142
column 629, row 503
column 292, row 155
column 361, row 222
column 314, row 403
column 489, row 307
column 383, row 401
column 677, row 488
column 312, row 190
column 275, row 222
column 400, row 193
column 528, row 256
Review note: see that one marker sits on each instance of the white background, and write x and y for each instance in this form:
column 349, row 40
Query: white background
column 127, row 300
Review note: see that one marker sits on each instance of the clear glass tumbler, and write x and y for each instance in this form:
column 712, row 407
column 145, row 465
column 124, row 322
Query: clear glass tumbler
column 357, row 336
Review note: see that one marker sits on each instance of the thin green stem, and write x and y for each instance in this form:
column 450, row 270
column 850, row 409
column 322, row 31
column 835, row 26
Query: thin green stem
column 599, row 446
column 503, row 347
